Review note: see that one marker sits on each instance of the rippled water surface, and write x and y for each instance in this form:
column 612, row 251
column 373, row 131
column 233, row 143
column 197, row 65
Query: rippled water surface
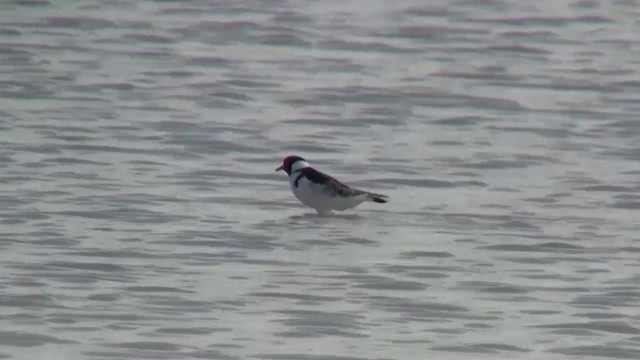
column 141, row 217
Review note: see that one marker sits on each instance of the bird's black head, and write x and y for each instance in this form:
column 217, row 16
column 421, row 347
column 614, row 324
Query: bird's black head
column 288, row 162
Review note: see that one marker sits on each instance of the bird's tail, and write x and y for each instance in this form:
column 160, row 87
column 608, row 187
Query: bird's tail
column 379, row 198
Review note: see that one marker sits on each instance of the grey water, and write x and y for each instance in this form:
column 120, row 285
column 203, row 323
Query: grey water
column 141, row 217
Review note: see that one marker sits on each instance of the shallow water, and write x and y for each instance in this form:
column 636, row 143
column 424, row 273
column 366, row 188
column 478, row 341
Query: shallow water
column 142, row 219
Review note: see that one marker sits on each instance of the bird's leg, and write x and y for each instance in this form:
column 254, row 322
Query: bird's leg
column 324, row 212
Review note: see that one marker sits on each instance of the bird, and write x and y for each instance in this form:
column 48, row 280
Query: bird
column 321, row 191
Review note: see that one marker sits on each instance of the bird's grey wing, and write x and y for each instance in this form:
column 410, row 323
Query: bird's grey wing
column 333, row 186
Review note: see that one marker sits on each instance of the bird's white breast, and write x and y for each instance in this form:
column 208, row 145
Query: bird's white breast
column 309, row 193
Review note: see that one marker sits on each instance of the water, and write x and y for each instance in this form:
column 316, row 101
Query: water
column 142, row 217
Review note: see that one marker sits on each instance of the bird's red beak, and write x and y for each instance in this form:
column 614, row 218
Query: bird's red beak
column 281, row 167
